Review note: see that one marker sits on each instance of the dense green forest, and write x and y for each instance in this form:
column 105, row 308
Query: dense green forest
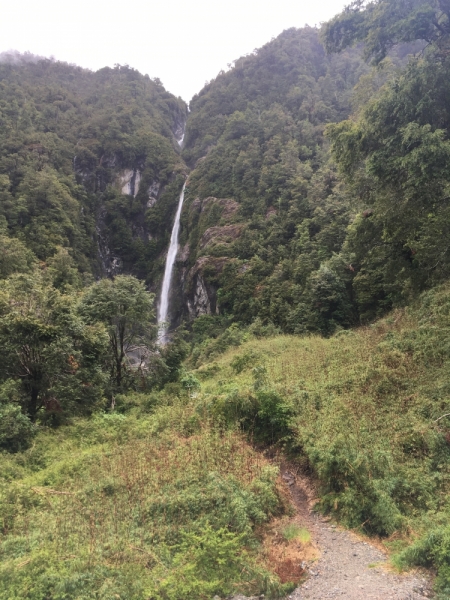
column 310, row 297
column 68, row 136
column 304, row 254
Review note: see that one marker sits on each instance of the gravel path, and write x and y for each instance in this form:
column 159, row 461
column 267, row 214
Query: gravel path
column 348, row 567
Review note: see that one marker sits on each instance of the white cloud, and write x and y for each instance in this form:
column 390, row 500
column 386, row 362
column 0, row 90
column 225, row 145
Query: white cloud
column 184, row 43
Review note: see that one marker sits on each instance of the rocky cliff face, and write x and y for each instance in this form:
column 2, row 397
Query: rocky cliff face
column 133, row 214
column 210, row 229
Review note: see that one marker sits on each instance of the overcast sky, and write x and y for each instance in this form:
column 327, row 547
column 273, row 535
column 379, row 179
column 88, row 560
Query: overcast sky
column 183, row 42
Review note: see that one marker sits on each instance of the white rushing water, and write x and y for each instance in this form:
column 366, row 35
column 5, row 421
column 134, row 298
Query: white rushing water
column 163, row 310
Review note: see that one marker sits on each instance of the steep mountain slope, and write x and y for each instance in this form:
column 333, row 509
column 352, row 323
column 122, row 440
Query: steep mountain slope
column 88, row 162
column 267, row 213
column 255, row 135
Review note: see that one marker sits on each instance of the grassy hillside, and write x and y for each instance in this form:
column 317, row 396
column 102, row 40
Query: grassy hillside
column 156, row 498
column 365, row 411
column 160, row 505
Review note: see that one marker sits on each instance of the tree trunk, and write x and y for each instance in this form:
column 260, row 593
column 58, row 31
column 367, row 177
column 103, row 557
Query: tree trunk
column 33, row 406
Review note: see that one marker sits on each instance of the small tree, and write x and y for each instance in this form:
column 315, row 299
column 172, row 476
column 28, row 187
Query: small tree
column 126, row 308
column 47, row 347
column 329, row 301
column 14, row 257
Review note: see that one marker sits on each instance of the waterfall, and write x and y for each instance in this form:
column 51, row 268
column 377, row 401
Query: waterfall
column 170, row 261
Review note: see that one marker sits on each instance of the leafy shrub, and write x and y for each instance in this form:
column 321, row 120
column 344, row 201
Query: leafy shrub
column 190, row 383
column 233, row 336
column 262, row 330
column 358, row 484
column 263, row 412
column 273, row 418
column 432, row 549
column 207, row 563
column 16, row 429
column 208, row 371
column 243, row 361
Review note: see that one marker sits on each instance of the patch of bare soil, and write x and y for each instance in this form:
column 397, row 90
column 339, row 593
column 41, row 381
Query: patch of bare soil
column 288, row 557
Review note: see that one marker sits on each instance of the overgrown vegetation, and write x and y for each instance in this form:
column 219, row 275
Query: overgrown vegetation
column 365, row 411
column 135, row 505
column 67, row 137
column 318, row 200
column 156, row 497
column 281, row 242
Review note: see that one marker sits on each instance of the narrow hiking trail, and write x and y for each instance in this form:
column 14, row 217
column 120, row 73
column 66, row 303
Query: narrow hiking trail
column 337, row 562
column 348, row 566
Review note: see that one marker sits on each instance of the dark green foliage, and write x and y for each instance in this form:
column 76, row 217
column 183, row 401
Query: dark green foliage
column 383, row 24
column 273, row 416
column 262, row 412
column 433, row 549
column 290, row 77
column 125, row 308
column 14, row 257
column 262, row 133
column 67, row 135
column 395, row 155
column 241, row 362
column 255, row 134
column 172, row 356
column 48, row 349
column 399, row 245
column 16, row 429
column 220, row 340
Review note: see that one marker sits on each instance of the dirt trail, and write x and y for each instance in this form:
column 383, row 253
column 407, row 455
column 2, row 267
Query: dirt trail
column 348, row 567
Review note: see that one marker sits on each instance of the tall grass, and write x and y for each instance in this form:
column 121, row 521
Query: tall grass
column 124, row 514
column 365, row 411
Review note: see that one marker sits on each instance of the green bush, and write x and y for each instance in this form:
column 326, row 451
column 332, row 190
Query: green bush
column 431, row 550
column 16, row 429
column 243, row 361
column 207, row 563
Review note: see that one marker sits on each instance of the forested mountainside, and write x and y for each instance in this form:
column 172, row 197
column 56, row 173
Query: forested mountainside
column 255, row 137
column 88, row 164
column 316, row 201
column 289, row 239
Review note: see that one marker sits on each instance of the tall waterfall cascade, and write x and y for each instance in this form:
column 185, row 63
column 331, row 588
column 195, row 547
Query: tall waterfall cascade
column 163, row 310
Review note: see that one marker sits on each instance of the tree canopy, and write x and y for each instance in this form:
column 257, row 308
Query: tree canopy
column 395, row 157
column 47, row 349
column 126, row 309
column 383, row 24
